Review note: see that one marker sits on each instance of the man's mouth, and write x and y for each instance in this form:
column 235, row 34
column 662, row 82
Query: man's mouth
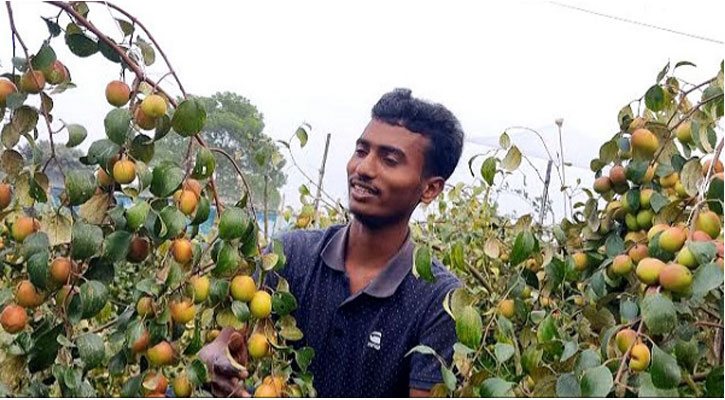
column 363, row 190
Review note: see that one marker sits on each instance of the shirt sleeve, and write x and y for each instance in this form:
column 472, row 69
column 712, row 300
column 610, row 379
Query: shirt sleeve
column 439, row 333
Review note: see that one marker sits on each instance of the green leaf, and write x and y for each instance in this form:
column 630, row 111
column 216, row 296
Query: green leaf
column 142, row 148
column 174, row 220
column 35, row 243
column 283, row 303
column 503, row 352
column 166, row 178
column 691, row 176
column 197, row 373
column 189, row 117
column 665, row 372
column 38, row 269
column 704, row 252
column 218, row 290
column 80, row 186
column 422, row 349
column 648, row 389
column 227, row 261
column 715, row 195
column 523, row 247
column 301, row 134
column 203, row 209
column 488, row 170
column 496, row 387
column 115, row 246
column 91, row 349
column 658, row 313
column 24, row 119
column 76, row 135
column 654, row 99
column 707, row 277
column 504, row 141
column 147, row 52
column 531, row 358
column 547, row 330
column 163, row 127
column 81, row 45
column 714, row 382
column 118, row 125
column 10, row 136
column 241, row 311
column 136, row 214
column 570, row 349
column 126, row 27
column 588, row 359
column 469, row 326
column 233, row 223
column 608, row 151
column 100, row 152
column 303, row 357
column 45, row 349
column 44, row 59
column 448, row 378
column 132, row 387
column 423, row 263
column 614, row 245
column 597, row 382
column 687, row 353
column 205, row 164
column 628, row 311
column 108, row 51
column 93, row 295
column 86, row 240
column 53, row 27
column 568, row 386
column 512, row 160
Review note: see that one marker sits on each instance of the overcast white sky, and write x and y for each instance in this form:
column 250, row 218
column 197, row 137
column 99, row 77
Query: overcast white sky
column 494, row 64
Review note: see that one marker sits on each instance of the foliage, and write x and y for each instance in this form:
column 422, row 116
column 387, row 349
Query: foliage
column 102, row 296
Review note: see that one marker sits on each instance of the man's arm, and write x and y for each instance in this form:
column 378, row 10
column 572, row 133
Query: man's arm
column 419, row 393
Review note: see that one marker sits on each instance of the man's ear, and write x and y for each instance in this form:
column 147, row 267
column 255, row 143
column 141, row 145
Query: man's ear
column 433, row 187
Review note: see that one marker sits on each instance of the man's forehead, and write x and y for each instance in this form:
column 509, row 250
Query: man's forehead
column 381, row 134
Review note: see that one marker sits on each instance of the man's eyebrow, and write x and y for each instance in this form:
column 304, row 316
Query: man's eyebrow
column 383, row 148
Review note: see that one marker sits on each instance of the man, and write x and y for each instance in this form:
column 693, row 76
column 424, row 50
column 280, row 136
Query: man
column 361, row 308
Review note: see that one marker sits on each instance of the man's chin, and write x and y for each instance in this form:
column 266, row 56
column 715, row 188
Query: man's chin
column 373, row 221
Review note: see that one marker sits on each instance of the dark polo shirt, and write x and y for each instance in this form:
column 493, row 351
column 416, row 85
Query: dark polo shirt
column 361, row 340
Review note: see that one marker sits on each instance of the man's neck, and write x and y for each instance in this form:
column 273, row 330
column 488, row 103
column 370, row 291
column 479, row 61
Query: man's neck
column 370, row 248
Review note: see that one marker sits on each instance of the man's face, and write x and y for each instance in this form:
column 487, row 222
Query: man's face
column 385, row 178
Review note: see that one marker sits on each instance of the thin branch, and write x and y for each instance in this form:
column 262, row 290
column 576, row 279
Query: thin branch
column 696, row 211
column 625, row 357
column 239, row 172
column 43, row 108
column 151, row 38
column 681, row 121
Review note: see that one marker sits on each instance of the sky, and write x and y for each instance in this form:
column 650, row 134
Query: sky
column 494, row 64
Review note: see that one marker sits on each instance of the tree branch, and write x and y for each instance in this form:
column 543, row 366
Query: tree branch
column 43, row 107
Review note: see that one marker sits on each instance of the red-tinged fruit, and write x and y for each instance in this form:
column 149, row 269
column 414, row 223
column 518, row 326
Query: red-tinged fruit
column 117, row 93
column 13, row 318
column 648, row 270
column 676, row 278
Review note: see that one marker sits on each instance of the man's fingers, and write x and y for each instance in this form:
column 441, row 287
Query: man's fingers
column 226, row 369
column 228, row 388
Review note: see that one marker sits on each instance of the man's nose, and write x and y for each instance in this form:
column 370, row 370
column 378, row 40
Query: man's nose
column 367, row 167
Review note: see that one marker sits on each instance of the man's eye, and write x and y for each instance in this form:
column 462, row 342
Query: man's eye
column 391, row 161
column 359, row 152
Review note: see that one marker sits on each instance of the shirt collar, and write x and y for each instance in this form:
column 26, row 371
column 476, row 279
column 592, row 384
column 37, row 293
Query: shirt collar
column 392, row 275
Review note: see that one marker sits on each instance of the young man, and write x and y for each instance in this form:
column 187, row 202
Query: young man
column 361, row 308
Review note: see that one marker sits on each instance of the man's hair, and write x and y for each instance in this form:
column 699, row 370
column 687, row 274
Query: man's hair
column 431, row 120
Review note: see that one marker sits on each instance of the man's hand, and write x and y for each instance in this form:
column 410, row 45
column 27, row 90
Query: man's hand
column 225, row 358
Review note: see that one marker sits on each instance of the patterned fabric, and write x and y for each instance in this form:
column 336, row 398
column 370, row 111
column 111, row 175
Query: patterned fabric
column 361, row 340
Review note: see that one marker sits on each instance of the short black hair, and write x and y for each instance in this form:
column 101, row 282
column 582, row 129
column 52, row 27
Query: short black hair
column 431, row 120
